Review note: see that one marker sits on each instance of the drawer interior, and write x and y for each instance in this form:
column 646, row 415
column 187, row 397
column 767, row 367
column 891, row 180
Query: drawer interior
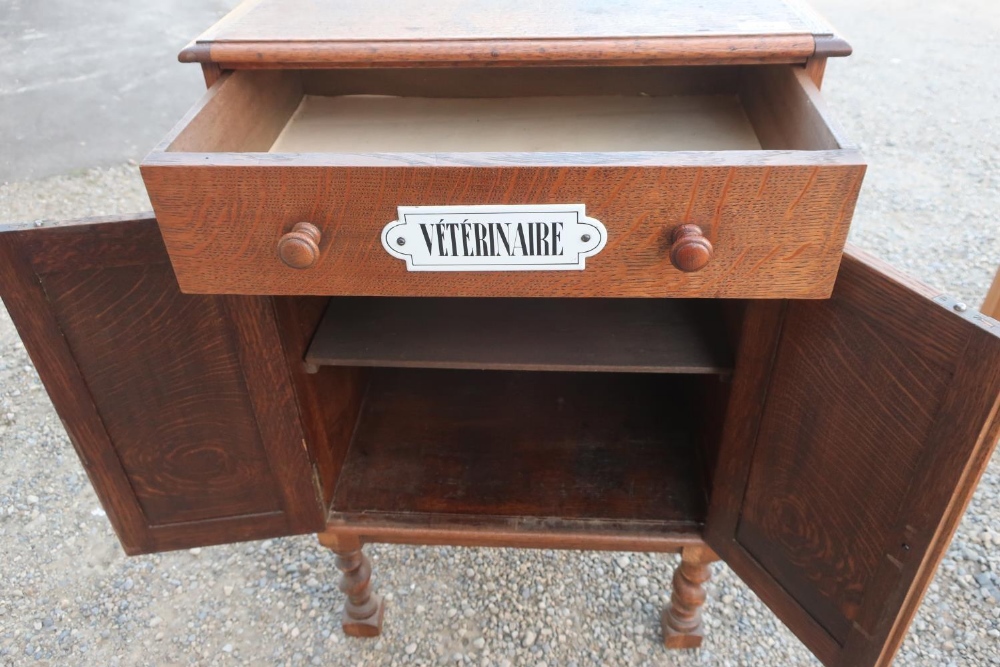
column 531, row 110
column 388, row 124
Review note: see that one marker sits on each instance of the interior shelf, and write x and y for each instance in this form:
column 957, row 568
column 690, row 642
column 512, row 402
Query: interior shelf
column 559, row 449
column 623, row 335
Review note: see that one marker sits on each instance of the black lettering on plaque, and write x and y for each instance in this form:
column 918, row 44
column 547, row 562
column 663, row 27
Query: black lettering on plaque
column 481, row 245
column 454, row 243
column 465, row 238
column 504, row 236
column 520, row 240
column 543, row 238
column 556, row 235
column 492, row 228
column 427, row 238
column 440, row 236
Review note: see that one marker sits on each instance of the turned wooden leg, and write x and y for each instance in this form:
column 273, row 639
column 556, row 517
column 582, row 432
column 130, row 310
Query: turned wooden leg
column 363, row 610
column 682, row 620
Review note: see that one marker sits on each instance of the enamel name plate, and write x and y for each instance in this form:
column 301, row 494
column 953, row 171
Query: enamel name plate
column 545, row 237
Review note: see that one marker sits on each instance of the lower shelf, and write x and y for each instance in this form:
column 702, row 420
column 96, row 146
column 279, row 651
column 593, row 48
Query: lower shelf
column 524, row 452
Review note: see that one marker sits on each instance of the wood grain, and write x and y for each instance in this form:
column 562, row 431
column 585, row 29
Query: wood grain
column 514, row 532
column 519, row 82
column 991, row 305
column 681, row 622
column 238, row 113
column 536, row 446
column 787, row 110
column 329, row 400
column 288, row 33
column 161, row 372
column 623, row 335
column 777, row 219
column 786, row 242
column 876, row 424
column 157, row 388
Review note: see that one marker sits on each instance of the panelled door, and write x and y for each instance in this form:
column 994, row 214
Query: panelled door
column 858, row 429
column 180, row 406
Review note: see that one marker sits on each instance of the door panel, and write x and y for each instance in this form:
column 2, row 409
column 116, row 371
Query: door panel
column 879, row 412
column 180, row 406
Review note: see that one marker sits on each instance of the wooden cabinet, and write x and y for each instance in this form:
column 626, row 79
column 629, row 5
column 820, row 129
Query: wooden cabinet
column 281, row 362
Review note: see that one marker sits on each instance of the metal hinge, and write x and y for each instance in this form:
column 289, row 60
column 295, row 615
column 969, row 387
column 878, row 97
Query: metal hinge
column 959, row 308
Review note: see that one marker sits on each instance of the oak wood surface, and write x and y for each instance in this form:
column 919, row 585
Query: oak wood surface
column 647, row 335
column 532, row 446
column 222, row 224
column 286, row 33
column 690, row 250
column 991, row 305
column 481, row 82
column 329, row 400
column 513, row 532
column 159, row 390
column 788, row 111
column 777, row 219
column 879, row 415
column 364, row 609
column 681, row 622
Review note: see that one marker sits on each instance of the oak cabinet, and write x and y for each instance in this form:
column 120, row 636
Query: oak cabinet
column 321, row 330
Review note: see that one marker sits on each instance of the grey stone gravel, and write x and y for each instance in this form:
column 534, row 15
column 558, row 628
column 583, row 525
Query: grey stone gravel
column 919, row 98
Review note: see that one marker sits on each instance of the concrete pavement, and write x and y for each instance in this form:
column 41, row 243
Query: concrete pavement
column 95, row 83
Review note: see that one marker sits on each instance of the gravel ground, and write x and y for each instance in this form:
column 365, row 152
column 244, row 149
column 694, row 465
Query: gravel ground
column 915, row 96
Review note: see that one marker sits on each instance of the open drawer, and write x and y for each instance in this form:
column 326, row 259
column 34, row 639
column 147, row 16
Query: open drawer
column 747, row 157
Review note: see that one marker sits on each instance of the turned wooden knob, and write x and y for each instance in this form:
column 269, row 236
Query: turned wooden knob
column 690, row 250
column 299, row 248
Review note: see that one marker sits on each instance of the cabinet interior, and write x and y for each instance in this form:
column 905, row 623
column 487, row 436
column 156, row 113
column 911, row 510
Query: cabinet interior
column 512, row 410
column 536, row 110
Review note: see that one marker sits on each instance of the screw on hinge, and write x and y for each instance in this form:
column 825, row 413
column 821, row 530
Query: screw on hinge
column 960, row 307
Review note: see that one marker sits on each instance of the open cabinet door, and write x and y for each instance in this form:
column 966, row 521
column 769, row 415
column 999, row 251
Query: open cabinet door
column 180, row 406
column 857, row 430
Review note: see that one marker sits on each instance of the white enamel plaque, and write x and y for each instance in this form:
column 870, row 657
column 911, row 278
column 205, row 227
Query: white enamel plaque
column 545, row 237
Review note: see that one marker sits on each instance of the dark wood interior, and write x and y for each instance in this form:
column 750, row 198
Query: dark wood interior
column 624, row 335
column 548, row 449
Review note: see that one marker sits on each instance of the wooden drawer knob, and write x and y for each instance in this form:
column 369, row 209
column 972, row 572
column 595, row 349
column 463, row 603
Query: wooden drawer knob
column 690, row 250
column 299, row 248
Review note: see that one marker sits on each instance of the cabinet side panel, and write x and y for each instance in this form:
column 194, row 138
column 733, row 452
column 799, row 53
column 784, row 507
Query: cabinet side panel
column 329, row 399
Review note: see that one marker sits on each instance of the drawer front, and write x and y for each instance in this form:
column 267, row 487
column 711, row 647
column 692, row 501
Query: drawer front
column 776, row 231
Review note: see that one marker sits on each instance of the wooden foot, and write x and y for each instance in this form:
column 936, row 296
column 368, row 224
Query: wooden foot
column 681, row 622
column 363, row 610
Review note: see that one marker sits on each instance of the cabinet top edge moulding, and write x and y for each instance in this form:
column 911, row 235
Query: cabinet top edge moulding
column 476, row 33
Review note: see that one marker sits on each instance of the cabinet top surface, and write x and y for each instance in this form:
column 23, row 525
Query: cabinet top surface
column 276, row 33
